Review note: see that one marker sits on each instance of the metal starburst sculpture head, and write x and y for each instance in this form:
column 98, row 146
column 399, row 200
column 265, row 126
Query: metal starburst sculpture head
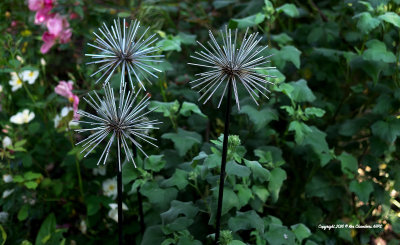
column 234, row 62
column 125, row 122
column 121, row 47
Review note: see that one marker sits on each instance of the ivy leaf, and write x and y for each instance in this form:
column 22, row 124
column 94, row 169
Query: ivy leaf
column 361, row 189
column 232, row 168
column 178, row 179
column 249, row 21
column 188, row 108
column 23, row 212
column 260, row 118
column 301, row 92
column 349, row 164
column 170, row 43
column 183, row 140
column 377, row 52
column 300, row 231
column 246, row 221
column 154, row 163
column 261, row 192
column 178, row 208
column 167, row 108
column 391, row 18
column 387, row 130
column 289, row 9
column 301, row 129
column 278, row 175
column 292, row 54
column 258, row 171
column 366, row 22
column 314, row 111
column 278, row 234
column 282, row 39
column 186, row 38
column 157, row 195
column 129, row 172
column 244, row 194
column 230, row 200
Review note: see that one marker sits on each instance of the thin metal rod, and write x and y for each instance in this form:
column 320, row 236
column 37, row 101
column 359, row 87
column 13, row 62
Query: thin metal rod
column 223, row 162
column 120, row 219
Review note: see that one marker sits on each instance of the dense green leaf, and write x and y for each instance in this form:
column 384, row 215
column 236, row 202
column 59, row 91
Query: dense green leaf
column 387, row 130
column 260, row 118
column 289, row 9
column 178, row 179
column 366, row 22
column 232, row 168
column 167, row 108
column 247, row 21
column 187, row 109
column 362, row 189
column 349, row 164
column 300, row 231
column 278, row 175
column 246, row 221
column 183, row 140
column 301, row 92
column 391, row 18
column 377, row 52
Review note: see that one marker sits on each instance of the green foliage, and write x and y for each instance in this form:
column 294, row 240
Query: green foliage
column 322, row 150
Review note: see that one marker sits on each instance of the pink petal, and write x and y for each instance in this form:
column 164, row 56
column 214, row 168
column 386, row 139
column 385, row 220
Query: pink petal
column 65, row 35
column 35, row 5
column 48, row 40
column 64, row 89
column 55, row 25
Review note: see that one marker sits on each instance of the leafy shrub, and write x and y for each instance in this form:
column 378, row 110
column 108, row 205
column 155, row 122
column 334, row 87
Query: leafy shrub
column 321, row 151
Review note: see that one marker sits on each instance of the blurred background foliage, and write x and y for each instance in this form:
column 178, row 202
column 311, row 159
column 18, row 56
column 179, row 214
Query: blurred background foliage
column 321, row 150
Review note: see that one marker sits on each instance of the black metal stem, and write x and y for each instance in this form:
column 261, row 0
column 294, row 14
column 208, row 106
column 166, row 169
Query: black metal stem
column 120, row 220
column 223, row 163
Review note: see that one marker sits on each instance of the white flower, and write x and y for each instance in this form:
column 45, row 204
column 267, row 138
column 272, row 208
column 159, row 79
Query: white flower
column 22, row 117
column 100, row 170
column 20, row 59
column 3, row 217
column 110, row 188
column 15, row 82
column 83, row 227
column 57, row 120
column 1, row 88
column 6, row 193
column 7, row 178
column 113, row 213
column 6, row 142
column 30, row 76
column 64, row 112
column 42, row 61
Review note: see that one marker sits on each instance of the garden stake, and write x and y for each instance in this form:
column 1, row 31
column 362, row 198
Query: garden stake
column 124, row 122
column 230, row 63
column 120, row 218
column 223, row 162
column 121, row 48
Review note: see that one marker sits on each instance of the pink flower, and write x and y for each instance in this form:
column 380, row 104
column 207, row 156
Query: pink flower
column 35, row 5
column 57, row 30
column 49, row 40
column 65, row 89
column 55, row 25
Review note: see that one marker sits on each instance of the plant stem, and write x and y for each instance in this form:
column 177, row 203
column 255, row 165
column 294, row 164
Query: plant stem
column 119, row 187
column 78, row 167
column 223, row 162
